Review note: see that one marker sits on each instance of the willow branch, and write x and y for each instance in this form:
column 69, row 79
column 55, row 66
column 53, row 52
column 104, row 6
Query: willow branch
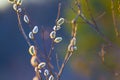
column 69, row 53
column 52, row 44
column 66, row 59
column 22, row 30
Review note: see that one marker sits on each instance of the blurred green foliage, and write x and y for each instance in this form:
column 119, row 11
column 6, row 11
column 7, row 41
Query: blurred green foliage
column 89, row 60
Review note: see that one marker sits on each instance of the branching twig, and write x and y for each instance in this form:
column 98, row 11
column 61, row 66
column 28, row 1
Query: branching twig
column 52, row 44
column 67, row 56
column 69, row 53
column 92, row 25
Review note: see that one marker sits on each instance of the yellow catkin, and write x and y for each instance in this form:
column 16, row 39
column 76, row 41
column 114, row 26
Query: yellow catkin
column 32, row 50
column 58, row 40
column 35, row 78
column 41, row 65
column 34, row 61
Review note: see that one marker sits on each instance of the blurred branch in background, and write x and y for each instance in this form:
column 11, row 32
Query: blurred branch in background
column 96, row 54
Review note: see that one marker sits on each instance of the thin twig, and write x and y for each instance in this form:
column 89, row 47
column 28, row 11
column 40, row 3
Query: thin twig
column 35, row 42
column 52, row 44
column 114, row 20
column 92, row 25
column 27, row 39
column 58, row 15
column 69, row 53
column 45, row 51
column 38, row 75
column 57, row 62
column 100, row 16
column 51, row 49
column 22, row 30
column 44, row 45
column 67, row 57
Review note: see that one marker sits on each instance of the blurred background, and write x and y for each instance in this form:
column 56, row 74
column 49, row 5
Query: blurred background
column 85, row 64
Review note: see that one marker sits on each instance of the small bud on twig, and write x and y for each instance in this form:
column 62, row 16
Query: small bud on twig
column 58, row 40
column 32, row 50
column 60, row 21
column 31, row 36
column 52, row 34
column 46, row 72
column 15, row 7
column 19, row 10
column 34, row 61
column 51, row 77
column 41, row 65
column 35, row 30
column 19, row 2
column 56, row 27
column 26, row 19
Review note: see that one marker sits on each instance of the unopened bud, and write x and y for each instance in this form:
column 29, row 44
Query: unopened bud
column 35, row 30
column 60, row 21
column 41, row 65
column 52, row 34
column 26, row 19
column 58, row 40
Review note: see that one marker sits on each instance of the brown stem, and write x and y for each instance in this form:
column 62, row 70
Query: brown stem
column 67, row 57
column 93, row 24
column 22, row 30
column 69, row 53
column 59, row 8
column 52, row 45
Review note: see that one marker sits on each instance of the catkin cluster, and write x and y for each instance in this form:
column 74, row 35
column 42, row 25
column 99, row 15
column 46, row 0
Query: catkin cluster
column 43, row 68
